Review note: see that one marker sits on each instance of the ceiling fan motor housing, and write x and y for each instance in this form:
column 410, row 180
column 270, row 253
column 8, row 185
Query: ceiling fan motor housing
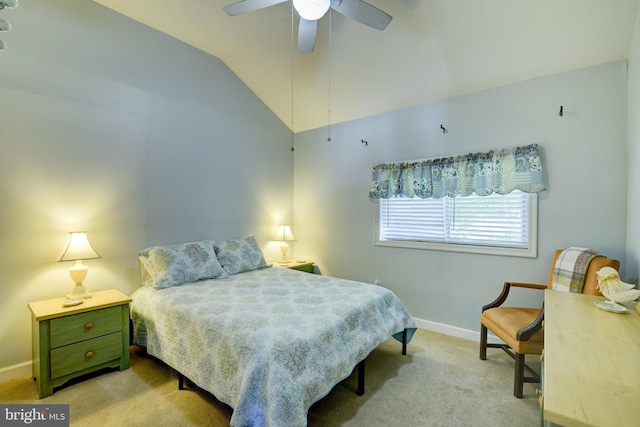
column 312, row 9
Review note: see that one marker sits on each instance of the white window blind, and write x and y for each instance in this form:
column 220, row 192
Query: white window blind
column 501, row 221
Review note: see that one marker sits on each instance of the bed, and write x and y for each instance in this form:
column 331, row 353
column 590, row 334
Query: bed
column 266, row 340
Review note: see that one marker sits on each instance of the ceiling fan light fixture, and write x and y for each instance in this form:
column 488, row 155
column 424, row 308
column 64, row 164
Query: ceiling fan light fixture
column 9, row 4
column 312, row 9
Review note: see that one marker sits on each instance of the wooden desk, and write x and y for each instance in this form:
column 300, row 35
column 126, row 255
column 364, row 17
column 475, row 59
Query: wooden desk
column 591, row 372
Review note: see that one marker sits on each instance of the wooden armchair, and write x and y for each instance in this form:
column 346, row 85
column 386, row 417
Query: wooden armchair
column 521, row 328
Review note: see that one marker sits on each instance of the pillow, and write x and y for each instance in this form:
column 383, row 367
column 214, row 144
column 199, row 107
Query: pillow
column 238, row 256
column 176, row 265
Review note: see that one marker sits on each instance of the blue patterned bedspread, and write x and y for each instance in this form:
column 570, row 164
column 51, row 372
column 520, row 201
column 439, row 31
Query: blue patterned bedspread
column 270, row 342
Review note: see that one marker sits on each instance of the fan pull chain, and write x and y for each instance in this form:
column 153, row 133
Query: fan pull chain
column 293, row 53
column 329, row 100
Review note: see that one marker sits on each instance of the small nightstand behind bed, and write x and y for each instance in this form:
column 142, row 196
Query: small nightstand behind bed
column 306, row 266
column 68, row 342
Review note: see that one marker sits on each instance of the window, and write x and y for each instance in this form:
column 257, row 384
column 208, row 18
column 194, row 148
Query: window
column 495, row 224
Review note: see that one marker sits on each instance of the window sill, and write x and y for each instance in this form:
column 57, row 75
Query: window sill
column 450, row 247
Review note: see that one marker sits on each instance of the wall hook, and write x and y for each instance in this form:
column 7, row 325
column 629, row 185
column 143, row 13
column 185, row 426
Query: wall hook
column 364, row 142
column 560, row 113
column 444, row 130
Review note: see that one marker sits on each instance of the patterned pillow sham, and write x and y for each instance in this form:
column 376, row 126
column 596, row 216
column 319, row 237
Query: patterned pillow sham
column 240, row 255
column 176, row 265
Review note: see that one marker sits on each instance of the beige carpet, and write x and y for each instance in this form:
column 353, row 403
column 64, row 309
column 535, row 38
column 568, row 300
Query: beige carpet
column 440, row 382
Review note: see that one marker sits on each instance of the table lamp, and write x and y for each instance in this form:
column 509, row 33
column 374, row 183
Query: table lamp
column 77, row 249
column 284, row 235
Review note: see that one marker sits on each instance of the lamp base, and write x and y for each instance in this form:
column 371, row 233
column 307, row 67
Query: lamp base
column 283, row 249
column 79, row 291
column 78, row 273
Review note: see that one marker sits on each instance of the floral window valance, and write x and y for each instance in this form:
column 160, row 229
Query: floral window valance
column 496, row 171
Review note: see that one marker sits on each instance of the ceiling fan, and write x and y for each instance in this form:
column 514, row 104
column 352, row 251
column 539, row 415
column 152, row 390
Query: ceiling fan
column 312, row 10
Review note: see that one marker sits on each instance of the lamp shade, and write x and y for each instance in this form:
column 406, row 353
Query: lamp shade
column 284, row 234
column 312, row 9
column 78, row 248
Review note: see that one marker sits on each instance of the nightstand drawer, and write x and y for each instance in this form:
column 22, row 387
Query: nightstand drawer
column 83, row 326
column 85, row 354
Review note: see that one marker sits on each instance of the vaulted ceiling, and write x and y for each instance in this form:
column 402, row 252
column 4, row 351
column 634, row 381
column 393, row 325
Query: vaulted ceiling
column 432, row 49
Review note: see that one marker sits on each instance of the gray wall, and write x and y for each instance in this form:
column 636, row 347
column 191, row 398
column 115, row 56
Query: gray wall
column 633, row 158
column 113, row 128
column 584, row 154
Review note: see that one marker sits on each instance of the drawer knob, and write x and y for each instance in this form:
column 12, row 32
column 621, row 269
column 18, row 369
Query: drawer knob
column 89, row 354
column 88, row 325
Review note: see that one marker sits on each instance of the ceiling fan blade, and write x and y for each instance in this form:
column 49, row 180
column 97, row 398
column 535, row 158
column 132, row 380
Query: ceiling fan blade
column 362, row 12
column 307, row 35
column 245, row 6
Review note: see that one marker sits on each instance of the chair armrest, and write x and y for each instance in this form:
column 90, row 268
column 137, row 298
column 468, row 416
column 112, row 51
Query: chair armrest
column 525, row 333
column 529, row 285
column 505, row 292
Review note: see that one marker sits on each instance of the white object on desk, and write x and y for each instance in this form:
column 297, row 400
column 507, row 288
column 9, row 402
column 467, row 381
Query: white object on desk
column 610, row 306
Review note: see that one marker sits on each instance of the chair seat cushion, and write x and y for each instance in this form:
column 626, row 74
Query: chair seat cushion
column 505, row 322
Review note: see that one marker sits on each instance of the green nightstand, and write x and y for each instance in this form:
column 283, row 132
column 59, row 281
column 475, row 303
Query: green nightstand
column 72, row 341
column 302, row 265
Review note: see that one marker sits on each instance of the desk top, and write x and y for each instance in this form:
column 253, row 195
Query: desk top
column 591, row 362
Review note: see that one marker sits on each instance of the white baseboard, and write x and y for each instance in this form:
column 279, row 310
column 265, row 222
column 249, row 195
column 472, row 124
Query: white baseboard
column 454, row 331
column 15, row 371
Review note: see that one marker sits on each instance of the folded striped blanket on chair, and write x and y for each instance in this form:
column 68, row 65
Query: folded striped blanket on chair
column 571, row 267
